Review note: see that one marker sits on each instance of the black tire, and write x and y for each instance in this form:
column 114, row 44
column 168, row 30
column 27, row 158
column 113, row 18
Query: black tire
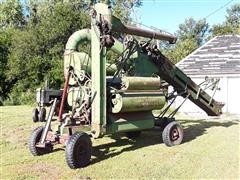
column 78, row 150
column 172, row 134
column 35, row 115
column 34, row 139
column 42, row 114
column 133, row 134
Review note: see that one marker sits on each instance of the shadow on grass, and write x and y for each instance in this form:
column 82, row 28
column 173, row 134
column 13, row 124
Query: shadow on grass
column 192, row 130
column 196, row 128
column 147, row 138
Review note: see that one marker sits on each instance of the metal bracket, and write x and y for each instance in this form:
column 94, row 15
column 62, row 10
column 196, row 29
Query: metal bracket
column 209, row 83
column 172, row 97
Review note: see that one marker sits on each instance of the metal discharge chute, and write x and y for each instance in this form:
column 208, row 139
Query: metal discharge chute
column 104, row 95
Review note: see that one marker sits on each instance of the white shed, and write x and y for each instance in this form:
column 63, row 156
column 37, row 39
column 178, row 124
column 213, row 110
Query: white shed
column 218, row 58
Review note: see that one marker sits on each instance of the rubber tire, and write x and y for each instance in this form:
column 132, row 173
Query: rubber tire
column 166, row 134
column 42, row 114
column 133, row 134
column 34, row 139
column 78, row 141
column 35, row 114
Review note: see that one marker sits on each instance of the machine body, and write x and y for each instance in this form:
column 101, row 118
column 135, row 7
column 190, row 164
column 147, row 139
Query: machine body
column 102, row 97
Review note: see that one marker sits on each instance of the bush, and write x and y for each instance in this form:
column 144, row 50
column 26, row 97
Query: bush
column 19, row 97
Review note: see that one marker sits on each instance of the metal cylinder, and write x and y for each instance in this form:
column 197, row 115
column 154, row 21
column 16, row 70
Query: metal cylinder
column 118, row 26
column 131, row 102
column 141, row 83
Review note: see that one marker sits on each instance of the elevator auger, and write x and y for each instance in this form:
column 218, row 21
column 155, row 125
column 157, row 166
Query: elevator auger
column 102, row 98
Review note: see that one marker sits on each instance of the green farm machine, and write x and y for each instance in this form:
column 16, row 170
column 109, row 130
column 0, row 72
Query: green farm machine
column 101, row 98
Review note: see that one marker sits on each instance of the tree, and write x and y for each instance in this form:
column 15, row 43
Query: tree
column 11, row 14
column 122, row 8
column 191, row 34
column 233, row 16
column 232, row 23
column 5, row 42
column 181, row 50
column 193, row 29
column 11, row 18
column 36, row 52
column 36, row 49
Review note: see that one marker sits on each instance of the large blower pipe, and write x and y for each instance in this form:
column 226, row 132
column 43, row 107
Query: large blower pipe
column 84, row 35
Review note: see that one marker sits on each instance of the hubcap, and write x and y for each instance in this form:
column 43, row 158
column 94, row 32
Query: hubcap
column 174, row 134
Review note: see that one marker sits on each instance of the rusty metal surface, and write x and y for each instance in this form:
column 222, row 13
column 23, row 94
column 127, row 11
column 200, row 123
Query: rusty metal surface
column 64, row 96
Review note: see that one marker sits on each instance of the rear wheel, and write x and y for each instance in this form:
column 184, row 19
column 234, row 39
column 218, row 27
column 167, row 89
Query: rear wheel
column 78, row 150
column 172, row 134
column 34, row 139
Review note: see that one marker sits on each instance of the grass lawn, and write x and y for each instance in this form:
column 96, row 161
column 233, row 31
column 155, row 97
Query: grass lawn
column 210, row 150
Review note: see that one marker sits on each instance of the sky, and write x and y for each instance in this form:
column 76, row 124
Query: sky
column 168, row 14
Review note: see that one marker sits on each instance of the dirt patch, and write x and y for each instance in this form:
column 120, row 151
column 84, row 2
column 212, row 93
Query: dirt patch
column 41, row 170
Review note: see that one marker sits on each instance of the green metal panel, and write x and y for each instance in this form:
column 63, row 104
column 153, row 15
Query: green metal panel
column 98, row 85
column 144, row 66
column 98, row 74
column 124, row 122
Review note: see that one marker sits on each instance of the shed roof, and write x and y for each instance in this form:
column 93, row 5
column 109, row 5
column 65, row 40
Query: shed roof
column 219, row 56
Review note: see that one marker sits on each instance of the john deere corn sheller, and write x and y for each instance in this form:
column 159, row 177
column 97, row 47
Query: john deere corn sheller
column 107, row 98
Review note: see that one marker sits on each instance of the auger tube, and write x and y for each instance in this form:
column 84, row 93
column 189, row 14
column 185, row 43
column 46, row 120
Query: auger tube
column 118, row 26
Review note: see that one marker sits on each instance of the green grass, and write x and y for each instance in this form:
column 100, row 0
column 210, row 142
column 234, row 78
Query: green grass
column 210, row 150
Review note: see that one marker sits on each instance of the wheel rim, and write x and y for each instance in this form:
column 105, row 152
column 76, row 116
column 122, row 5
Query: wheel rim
column 174, row 134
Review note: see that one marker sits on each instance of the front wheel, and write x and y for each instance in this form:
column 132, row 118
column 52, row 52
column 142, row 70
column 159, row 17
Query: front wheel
column 172, row 134
column 35, row 114
column 42, row 114
column 34, row 139
column 78, row 150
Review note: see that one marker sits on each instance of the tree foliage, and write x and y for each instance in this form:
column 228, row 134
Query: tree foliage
column 11, row 14
column 36, row 53
column 231, row 25
column 33, row 51
column 122, row 9
column 191, row 34
column 181, row 50
column 193, row 29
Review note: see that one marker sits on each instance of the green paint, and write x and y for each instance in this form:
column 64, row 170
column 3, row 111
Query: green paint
column 137, row 102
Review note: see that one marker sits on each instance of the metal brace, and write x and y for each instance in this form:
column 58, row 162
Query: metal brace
column 48, row 123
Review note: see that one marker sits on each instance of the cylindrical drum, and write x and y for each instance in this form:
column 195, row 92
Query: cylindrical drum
column 141, row 83
column 137, row 102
